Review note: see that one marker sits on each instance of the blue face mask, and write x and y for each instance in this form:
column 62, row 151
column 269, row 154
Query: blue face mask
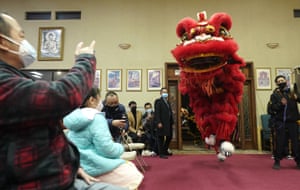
column 164, row 95
column 26, row 52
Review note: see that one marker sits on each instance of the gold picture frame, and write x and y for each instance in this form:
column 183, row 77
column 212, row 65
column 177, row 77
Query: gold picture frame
column 51, row 43
column 263, row 79
column 134, row 80
column 287, row 72
column 154, row 79
column 114, row 79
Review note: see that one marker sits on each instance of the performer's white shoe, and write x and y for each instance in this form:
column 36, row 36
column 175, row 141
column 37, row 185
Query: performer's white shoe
column 211, row 140
column 221, row 156
column 226, row 150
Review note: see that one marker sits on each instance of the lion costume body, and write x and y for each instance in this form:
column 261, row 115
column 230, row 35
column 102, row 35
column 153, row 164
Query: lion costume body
column 210, row 74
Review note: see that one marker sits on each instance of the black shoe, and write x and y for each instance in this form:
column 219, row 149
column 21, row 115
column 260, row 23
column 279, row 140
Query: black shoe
column 276, row 165
column 163, row 156
column 298, row 165
column 169, row 153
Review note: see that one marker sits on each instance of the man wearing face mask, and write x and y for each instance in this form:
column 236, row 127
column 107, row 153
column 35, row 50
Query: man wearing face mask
column 135, row 130
column 115, row 114
column 150, row 130
column 285, row 113
column 34, row 151
column 163, row 119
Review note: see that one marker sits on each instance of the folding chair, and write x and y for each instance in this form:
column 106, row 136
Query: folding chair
column 138, row 147
column 129, row 155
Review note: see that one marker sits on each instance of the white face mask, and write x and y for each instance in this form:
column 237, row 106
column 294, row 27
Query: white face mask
column 149, row 110
column 26, row 52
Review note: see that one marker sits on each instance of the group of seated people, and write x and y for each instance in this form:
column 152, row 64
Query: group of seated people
column 141, row 127
column 98, row 129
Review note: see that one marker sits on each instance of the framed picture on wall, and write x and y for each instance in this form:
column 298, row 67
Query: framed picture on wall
column 51, row 43
column 154, row 79
column 287, row 72
column 263, row 79
column 114, row 79
column 97, row 81
column 134, row 80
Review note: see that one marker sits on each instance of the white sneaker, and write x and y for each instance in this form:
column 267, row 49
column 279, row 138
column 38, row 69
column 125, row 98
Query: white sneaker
column 289, row 157
column 153, row 153
column 211, row 140
column 146, row 153
column 227, row 148
column 221, row 157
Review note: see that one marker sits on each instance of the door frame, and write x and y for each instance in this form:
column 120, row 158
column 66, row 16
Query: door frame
column 172, row 75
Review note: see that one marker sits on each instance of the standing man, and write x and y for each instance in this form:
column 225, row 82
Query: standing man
column 115, row 114
column 163, row 120
column 285, row 113
column 34, row 152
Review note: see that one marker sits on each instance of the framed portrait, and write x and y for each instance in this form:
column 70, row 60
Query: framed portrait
column 134, row 80
column 154, row 79
column 51, row 44
column 263, row 79
column 97, row 81
column 114, row 79
column 287, row 72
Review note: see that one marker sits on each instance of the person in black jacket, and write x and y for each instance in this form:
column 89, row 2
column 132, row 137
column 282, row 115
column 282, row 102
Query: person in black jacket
column 150, row 129
column 286, row 114
column 163, row 119
column 115, row 114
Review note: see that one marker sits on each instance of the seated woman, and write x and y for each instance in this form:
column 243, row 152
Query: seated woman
column 99, row 154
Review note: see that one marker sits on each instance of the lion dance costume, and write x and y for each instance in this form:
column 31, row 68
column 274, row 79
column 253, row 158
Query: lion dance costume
column 210, row 75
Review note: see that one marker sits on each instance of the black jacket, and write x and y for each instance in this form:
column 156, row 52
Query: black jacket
column 289, row 112
column 163, row 114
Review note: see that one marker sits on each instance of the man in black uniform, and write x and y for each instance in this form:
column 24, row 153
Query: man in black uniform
column 285, row 116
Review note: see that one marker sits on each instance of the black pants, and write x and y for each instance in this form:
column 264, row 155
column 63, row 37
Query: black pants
column 154, row 141
column 163, row 144
column 283, row 131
